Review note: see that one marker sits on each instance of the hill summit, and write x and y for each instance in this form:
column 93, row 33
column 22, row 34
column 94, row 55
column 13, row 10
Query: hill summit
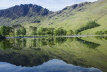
column 24, row 10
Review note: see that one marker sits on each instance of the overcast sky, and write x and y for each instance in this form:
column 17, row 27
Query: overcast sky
column 53, row 5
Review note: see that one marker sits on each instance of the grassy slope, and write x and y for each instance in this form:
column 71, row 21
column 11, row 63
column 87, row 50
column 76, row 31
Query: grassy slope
column 75, row 19
column 101, row 10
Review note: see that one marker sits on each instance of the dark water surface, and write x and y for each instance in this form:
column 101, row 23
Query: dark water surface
column 58, row 54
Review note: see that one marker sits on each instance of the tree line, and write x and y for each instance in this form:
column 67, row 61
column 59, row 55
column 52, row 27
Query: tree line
column 101, row 32
column 19, row 30
column 52, row 31
column 89, row 25
column 13, row 30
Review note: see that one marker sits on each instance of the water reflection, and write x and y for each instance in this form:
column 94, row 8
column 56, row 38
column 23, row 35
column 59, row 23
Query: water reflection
column 91, row 45
column 54, row 65
column 30, row 52
column 18, row 44
column 5, row 44
column 101, row 37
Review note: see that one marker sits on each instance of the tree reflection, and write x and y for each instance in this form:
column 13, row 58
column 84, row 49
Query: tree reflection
column 101, row 37
column 19, row 44
column 43, row 42
column 34, row 42
column 60, row 40
column 51, row 41
column 87, row 43
column 5, row 44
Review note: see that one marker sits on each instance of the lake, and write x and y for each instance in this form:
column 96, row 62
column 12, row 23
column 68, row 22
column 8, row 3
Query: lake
column 54, row 54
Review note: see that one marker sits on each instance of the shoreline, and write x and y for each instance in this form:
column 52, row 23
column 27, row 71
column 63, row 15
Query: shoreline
column 54, row 36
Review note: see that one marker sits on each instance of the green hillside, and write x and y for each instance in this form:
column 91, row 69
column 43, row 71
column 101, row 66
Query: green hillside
column 80, row 16
column 70, row 18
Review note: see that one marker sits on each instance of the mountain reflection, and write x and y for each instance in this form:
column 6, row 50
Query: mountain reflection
column 31, row 52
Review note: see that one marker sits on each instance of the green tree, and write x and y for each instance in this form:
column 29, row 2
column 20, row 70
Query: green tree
column 18, row 32
column 34, row 31
column 105, row 32
column 60, row 31
column 23, row 31
column 42, row 31
column 12, row 31
column 50, row 31
column 99, row 32
column 70, row 32
column 4, row 30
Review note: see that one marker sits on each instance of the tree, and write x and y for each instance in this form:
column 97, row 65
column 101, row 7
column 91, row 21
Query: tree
column 15, row 29
column 99, row 33
column 50, row 31
column 4, row 30
column 34, row 30
column 42, row 31
column 23, row 31
column 46, row 31
column 105, row 32
column 60, row 31
column 18, row 32
column 70, row 32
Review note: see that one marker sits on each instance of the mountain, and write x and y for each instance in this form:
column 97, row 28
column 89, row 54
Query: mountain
column 28, row 13
column 24, row 10
column 71, row 17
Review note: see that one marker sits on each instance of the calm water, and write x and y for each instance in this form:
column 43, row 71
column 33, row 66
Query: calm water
column 60, row 54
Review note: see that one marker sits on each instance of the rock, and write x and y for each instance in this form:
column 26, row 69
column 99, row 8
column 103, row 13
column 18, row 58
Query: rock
column 24, row 10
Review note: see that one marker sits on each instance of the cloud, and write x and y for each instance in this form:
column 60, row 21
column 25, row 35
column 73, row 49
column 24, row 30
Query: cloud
column 52, row 5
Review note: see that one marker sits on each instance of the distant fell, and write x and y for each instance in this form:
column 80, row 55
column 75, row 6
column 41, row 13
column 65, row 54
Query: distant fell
column 24, row 10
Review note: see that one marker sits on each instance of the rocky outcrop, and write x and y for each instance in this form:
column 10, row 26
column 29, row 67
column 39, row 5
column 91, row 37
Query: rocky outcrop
column 76, row 5
column 24, row 10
